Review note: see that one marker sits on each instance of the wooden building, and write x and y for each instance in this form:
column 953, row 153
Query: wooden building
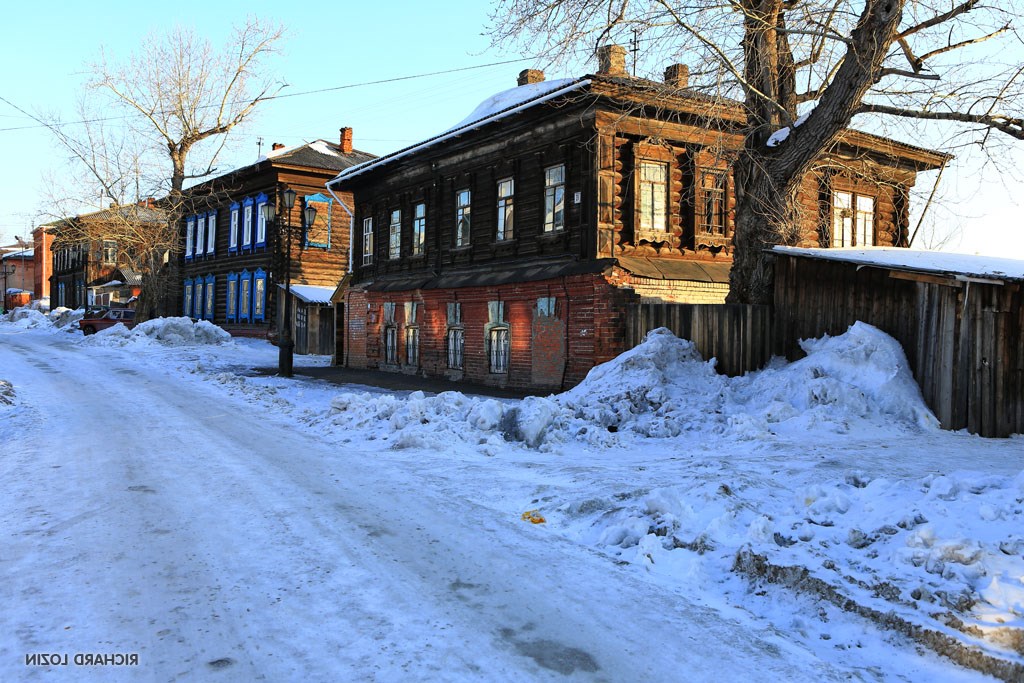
column 506, row 250
column 86, row 256
column 233, row 261
column 959, row 318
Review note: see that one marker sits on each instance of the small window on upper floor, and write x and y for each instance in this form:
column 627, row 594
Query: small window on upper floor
column 554, row 198
column 419, row 229
column 367, row 241
column 395, row 235
column 462, row 218
column 652, row 204
column 109, row 252
column 853, row 220
column 711, row 201
column 506, row 190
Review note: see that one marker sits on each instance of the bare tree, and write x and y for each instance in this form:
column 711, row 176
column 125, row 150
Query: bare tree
column 831, row 60
column 180, row 98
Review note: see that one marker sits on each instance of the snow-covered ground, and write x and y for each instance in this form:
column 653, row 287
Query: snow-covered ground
column 158, row 498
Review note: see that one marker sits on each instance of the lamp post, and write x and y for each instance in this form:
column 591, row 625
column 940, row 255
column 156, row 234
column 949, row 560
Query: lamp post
column 286, row 344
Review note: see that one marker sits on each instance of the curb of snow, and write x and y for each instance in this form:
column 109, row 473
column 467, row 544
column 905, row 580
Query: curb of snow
column 960, row 650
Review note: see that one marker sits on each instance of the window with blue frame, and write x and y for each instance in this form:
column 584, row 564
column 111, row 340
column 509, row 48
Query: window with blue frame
column 244, row 295
column 259, row 294
column 261, row 223
column 211, row 231
column 200, row 234
column 197, row 298
column 211, row 282
column 247, row 216
column 190, row 233
column 236, row 214
column 319, row 234
column 186, row 307
column 231, row 298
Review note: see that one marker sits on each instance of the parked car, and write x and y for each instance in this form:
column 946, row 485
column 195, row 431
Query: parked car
column 91, row 324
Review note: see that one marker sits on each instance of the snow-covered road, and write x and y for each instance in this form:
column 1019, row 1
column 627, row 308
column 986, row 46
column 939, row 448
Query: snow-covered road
column 148, row 515
column 158, row 500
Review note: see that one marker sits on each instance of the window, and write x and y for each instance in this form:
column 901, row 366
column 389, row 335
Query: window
column 231, row 299
column 109, row 252
column 190, row 230
column 186, row 307
column 419, row 229
column 498, row 347
column 247, row 223
column 506, row 189
column 233, row 231
column 210, row 285
column 367, row 241
column 412, row 346
column 259, row 295
column 211, row 231
column 200, row 234
column 712, row 202
column 462, row 218
column 554, row 198
column 390, row 334
column 197, row 298
column 546, row 307
column 318, row 234
column 261, row 222
column 497, row 337
column 455, row 338
column 853, row 220
column 395, row 235
column 244, row 295
column 653, row 199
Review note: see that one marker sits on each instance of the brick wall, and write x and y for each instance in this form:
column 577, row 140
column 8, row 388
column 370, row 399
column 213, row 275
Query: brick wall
column 547, row 351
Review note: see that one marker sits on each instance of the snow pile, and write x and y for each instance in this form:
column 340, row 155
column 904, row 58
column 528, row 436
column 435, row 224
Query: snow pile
column 6, row 393
column 860, row 378
column 166, row 331
column 942, row 543
column 662, row 389
column 27, row 318
column 62, row 317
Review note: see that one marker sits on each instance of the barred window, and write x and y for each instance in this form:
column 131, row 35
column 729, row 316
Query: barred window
column 455, row 343
column 498, row 349
column 412, row 346
column 391, row 344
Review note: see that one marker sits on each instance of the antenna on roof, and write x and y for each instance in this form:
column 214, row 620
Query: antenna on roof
column 635, row 47
column 259, row 146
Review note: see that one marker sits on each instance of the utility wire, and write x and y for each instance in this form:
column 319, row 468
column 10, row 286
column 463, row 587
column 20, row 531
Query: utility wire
column 286, row 95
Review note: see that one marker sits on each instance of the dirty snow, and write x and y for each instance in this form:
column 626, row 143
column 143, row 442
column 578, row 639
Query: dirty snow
column 832, row 464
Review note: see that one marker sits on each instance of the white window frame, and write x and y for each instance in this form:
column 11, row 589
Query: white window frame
column 190, row 229
column 367, row 241
column 652, row 191
column 853, row 220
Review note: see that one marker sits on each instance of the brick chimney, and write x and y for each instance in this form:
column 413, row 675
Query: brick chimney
column 528, row 76
column 677, row 76
column 276, row 146
column 346, row 140
column 611, row 60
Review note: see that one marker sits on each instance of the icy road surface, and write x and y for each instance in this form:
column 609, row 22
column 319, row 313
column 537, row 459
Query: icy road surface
column 144, row 512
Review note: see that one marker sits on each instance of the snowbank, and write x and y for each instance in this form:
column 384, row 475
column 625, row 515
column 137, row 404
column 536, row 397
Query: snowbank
column 27, row 318
column 166, row 331
column 663, row 388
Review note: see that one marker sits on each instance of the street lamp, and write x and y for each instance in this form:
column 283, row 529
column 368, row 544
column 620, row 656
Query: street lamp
column 286, row 344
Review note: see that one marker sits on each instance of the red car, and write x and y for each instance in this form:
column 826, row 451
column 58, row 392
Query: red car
column 92, row 324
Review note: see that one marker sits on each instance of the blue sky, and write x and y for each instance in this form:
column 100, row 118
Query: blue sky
column 46, row 53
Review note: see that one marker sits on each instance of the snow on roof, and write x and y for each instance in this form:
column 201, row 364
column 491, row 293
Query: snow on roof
column 496, row 107
column 938, row 262
column 312, row 294
column 20, row 254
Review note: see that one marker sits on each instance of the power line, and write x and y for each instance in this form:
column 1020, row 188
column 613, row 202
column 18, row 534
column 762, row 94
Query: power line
column 318, row 91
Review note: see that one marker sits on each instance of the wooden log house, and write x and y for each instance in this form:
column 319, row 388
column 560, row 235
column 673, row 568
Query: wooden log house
column 505, row 250
column 233, row 266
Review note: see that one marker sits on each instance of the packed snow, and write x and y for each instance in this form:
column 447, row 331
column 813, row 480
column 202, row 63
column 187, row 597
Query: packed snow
column 831, row 464
column 938, row 262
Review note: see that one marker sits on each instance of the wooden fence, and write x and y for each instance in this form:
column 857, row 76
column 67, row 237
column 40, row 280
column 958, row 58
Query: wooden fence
column 739, row 336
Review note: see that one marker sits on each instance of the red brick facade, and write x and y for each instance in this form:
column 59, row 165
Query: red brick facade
column 553, row 345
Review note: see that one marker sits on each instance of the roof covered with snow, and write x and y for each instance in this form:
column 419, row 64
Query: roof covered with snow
column 960, row 266
column 312, row 294
column 317, row 154
column 494, row 108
